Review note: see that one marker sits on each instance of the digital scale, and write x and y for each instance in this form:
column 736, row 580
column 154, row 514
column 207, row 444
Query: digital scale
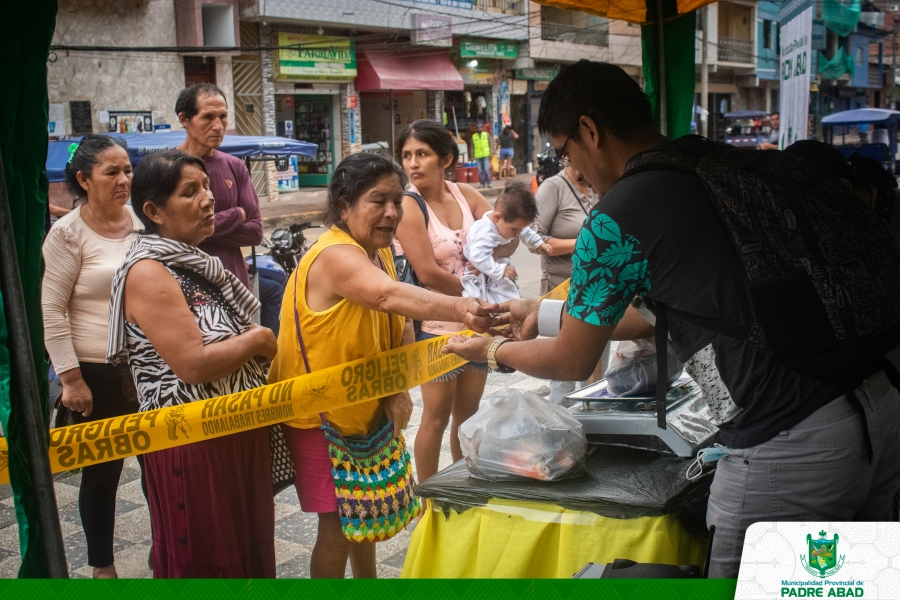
column 631, row 420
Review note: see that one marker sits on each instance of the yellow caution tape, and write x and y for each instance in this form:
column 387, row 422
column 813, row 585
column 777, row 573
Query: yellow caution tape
column 328, row 389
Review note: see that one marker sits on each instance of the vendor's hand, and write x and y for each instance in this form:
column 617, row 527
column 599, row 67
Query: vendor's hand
column 76, row 395
column 545, row 249
column 398, row 409
column 473, row 349
column 522, row 318
column 477, row 315
column 510, row 273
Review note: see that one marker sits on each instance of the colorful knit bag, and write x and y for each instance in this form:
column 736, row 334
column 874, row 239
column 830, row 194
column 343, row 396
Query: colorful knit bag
column 373, row 482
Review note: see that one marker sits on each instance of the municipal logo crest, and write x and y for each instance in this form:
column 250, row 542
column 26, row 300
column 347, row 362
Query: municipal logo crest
column 823, row 558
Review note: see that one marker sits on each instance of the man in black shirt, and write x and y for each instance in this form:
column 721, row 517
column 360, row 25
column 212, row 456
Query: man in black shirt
column 797, row 448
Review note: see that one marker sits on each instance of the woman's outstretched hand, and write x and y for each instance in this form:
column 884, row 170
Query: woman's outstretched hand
column 477, row 315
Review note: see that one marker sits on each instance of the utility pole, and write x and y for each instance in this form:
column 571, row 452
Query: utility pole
column 703, row 120
column 893, row 86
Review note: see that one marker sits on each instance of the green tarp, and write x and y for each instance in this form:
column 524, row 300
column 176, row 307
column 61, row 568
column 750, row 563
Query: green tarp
column 24, row 47
column 680, row 32
column 839, row 17
column 839, row 64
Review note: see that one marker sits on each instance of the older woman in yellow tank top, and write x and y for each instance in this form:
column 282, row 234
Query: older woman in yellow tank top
column 345, row 303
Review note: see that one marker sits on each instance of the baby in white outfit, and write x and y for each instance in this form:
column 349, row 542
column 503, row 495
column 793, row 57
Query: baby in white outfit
column 513, row 214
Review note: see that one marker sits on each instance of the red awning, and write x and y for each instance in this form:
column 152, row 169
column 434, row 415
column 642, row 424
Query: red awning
column 383, row 71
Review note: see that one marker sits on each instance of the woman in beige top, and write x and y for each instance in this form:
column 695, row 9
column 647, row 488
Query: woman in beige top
column 564, row 202
column 82, row 252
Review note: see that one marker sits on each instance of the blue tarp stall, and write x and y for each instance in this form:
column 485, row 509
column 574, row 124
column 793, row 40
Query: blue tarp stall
column 882, row 139
column 139, row 145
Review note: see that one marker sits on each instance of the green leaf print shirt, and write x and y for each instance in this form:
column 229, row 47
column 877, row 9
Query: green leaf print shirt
column 608, row 269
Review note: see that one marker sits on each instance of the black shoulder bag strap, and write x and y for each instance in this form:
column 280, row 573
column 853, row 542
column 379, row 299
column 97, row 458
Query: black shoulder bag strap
column 662, row 364
column 421, row 202
column 574, row 193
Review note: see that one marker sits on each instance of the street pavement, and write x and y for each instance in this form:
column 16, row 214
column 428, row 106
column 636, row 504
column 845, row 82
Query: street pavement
column 295, row 531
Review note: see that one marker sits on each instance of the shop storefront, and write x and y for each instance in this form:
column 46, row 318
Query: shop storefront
column 308, row 79
column 394, row 92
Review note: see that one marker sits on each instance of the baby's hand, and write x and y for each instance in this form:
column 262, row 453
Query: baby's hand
column 511, row 273
column 545, row 249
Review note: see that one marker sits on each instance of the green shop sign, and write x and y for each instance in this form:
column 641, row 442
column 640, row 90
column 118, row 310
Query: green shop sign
column 315, row 57
column 537, row 74
column 471, row 49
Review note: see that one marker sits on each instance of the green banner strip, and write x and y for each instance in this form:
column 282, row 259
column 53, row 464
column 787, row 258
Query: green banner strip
column 397, row 589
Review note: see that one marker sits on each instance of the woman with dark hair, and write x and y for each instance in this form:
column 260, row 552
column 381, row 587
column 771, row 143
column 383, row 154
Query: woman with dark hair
column 436, row 254
column 507, row 138
column 183, row 323
column 345, row 303
column 82, row 252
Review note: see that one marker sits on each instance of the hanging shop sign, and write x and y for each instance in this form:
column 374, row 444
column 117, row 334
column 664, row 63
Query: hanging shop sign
column 474, row 49
column 315, row 57
column 432, row 30
column 476, row 76
column 796, row 53
column 537, row 74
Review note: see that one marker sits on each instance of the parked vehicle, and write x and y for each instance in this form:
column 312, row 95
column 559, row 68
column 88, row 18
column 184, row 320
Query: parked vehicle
column 881, row 141
column 548, row 164
column 285, row 249
column 747, row 128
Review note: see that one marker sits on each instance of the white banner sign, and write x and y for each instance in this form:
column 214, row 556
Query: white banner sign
column 796, row 57
column 820, row 560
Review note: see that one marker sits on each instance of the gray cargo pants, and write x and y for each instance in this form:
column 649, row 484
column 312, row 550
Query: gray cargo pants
column 816, row 471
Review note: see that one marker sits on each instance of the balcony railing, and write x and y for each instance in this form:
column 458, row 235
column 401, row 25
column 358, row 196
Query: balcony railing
column 736, row 51
column 559, row 32
column 509, row 7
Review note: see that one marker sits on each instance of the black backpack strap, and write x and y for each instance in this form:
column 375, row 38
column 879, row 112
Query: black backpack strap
column 662, row 364
column 421, row 202
column 681, row 155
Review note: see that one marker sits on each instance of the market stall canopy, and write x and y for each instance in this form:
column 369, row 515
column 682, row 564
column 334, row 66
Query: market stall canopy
column 633, row 11
column 141, row 144
column 746, row 114
column 384, row 71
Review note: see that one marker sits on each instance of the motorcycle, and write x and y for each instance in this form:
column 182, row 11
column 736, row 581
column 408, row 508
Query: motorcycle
column 285, row 249
column 548, row 164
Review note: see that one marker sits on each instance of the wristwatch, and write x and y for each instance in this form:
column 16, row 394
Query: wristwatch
column 493, row 365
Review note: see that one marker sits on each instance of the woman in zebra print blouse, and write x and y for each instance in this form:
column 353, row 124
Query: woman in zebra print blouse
column 184, row 325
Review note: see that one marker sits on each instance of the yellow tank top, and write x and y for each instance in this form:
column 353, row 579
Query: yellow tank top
column 344, row 332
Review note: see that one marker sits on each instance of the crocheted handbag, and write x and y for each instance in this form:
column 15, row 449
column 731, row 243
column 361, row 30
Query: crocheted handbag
column 373, row 477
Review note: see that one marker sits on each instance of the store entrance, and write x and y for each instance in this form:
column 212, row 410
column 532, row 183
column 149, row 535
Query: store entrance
column 517, row 113
column 311, row 117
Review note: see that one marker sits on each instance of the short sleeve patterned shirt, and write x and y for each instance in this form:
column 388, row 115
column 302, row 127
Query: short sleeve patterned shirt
column 608, row 269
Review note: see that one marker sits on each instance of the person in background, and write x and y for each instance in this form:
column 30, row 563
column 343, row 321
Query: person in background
column 507, row 137
column 772, row 144
column 343, row 303
column 436, row 254
column 481, row 151
column 82, row 252
column 183, row 324
column 203, row 112
column 563, row 202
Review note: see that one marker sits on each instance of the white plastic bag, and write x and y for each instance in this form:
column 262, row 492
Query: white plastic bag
column 517, row 435
column 632, row 368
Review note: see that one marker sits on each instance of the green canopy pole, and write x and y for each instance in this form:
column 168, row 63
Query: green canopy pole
column 27, row 402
